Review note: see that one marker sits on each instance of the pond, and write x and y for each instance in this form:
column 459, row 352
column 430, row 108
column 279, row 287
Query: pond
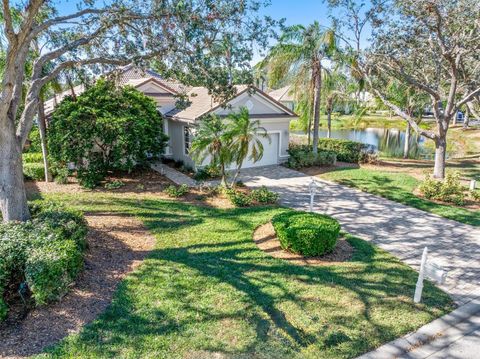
column 387, row 141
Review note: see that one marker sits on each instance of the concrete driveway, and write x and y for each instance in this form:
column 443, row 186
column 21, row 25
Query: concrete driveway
column 401, row 230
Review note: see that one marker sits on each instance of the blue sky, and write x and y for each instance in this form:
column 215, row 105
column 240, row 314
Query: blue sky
column 298, row 11
column 294, row 11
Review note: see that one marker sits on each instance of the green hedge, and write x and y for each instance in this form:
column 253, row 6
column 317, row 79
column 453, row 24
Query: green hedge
column 346, row 150
column 34, row 171
column 310, row 234
column 302, row 156
column 34, row 157
column 45, row 253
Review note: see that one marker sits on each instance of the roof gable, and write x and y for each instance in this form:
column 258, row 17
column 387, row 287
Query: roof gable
column 256, row 101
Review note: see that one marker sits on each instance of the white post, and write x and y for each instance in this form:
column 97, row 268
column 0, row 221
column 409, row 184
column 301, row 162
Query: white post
column 419, row 287
column 473, row 184
column 312, row 187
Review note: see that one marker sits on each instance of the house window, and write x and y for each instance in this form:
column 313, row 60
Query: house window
column 187, row 139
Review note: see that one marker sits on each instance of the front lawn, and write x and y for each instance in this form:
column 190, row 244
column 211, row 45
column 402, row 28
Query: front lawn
column 208, row 291
column 398, row 187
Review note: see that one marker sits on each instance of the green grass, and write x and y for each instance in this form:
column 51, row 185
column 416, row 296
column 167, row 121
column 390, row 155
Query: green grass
column 207, row 289
column 398, row 187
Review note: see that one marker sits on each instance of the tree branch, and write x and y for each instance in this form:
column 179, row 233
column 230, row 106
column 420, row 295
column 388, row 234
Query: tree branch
column 7, row 16
column 41, row 61
column 467, row 98
column 60, row 19
column 400, row 112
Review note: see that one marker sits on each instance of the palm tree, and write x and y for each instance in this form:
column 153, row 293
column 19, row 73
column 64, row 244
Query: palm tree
column 246, row 136
column 298, row 57
column 211, row 140
column 335, row 87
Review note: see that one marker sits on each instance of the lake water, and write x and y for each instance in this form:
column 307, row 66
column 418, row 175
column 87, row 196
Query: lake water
column 389, row 142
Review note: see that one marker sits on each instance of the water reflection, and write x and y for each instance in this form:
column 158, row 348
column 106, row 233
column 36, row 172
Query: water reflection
column 389, row 142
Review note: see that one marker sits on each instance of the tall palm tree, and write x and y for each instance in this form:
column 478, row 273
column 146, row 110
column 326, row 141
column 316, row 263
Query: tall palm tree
column 298, row 57
column 246, row 136
column 211, row 140
column 335, row 87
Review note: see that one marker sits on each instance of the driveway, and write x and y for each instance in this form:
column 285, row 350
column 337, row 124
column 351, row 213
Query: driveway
column 401, row 230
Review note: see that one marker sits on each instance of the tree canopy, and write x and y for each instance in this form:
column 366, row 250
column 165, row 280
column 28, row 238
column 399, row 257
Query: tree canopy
column 105, row 128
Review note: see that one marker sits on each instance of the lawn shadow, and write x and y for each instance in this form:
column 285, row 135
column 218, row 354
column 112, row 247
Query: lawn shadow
column 264, row 283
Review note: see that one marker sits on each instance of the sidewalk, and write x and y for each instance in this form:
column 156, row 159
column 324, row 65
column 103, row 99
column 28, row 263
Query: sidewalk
column 455, row 335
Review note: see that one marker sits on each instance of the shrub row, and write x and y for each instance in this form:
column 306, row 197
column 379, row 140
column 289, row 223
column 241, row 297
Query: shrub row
column 346, row 150
column 310, row 234
column 260, row 195
column 449, row 190
column 303, row 156
column 176, row 191
column 33, row 157
column 34, row 171
column 45, row 254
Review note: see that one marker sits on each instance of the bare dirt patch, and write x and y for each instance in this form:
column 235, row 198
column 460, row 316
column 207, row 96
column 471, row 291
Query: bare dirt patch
column 117, row 245
column 140, row 183
column 266, row 239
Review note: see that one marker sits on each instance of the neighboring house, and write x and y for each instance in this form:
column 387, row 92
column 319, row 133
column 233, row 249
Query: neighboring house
column 179, row 124
column 285, row 96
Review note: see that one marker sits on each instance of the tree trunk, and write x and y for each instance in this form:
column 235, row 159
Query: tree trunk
column 329, row 124
column 466, row 119
column 310, row 116
column 406, row 146
column 13, row 199
column 316, row 106
column 440, row 156
column 223, row 181
column 237, row 173
column 43, row 139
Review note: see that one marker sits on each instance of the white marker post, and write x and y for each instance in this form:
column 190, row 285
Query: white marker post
column 418, row 289
column 431, row 270
column 473, row 185
column 313, row 189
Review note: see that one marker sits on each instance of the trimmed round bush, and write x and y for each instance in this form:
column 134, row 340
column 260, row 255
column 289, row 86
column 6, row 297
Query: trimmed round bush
column 309, row 234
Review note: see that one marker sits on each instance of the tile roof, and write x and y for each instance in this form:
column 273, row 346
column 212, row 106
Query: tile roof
column 283, row 94
column 201, row 103
column 129, row 74
column 50, row 104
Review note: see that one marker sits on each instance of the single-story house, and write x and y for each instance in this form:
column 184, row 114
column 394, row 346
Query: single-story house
column 179, row 124
column 285, row 96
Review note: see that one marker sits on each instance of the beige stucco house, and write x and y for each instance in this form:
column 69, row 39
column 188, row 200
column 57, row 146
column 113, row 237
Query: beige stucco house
column 180, row 124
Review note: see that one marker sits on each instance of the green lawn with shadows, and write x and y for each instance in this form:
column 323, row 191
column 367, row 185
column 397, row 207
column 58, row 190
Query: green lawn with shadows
column 398, row 187
column 208, row 291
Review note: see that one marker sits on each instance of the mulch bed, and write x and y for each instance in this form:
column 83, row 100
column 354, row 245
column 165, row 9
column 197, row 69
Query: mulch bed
column 117, row 244
column 266, row 239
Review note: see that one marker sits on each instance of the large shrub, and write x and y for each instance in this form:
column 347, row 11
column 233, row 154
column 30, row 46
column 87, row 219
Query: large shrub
column 105, row 128
column 448, row 190
column 346, row 151
column 45, row 254
column 310, row 234
column 301, row 156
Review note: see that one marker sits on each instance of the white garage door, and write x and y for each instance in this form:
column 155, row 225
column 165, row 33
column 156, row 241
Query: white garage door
column 270, row 152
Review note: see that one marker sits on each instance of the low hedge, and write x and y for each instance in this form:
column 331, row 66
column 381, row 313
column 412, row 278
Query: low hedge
column 44, row 254
column 34, row 157
column 346, row 150
column 34, row 171
column 301, row 156
column 309, row 234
